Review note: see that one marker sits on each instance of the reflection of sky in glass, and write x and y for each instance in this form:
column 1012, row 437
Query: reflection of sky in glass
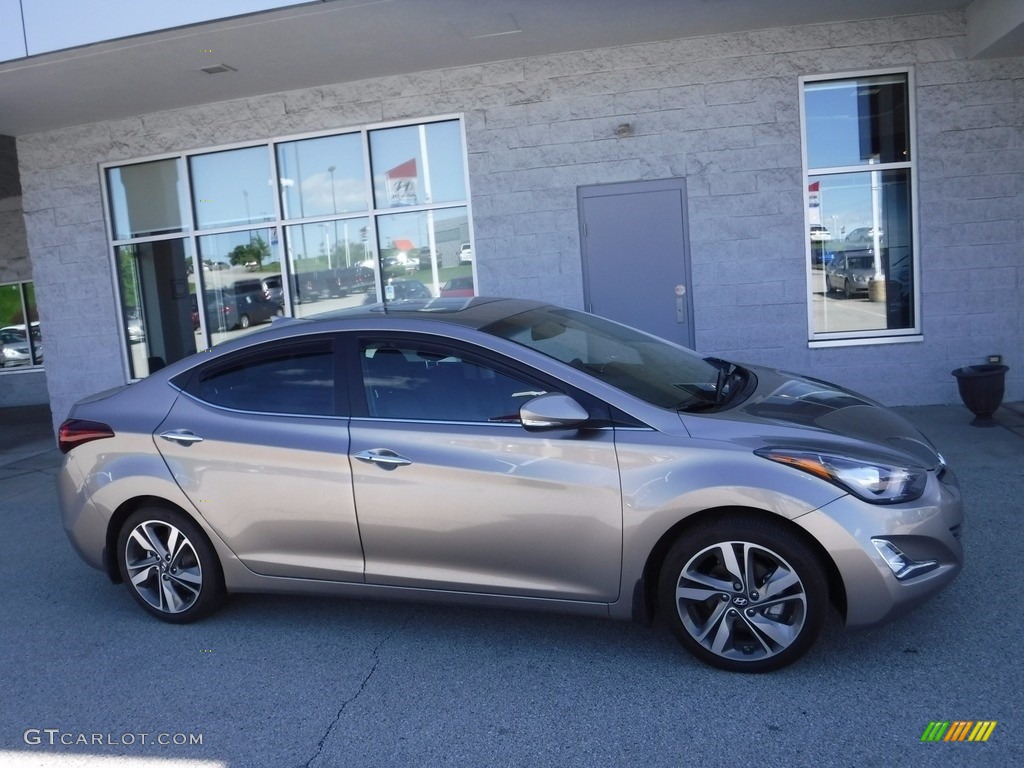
column 218, row 248
column 232, row 188
column 343, row 240
column 845, row 200
column 390, row 148
column 835, row 120
column 404, row 229
column 320, row 177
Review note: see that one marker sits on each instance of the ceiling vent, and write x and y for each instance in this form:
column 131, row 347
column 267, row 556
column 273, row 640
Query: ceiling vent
column 217, row 69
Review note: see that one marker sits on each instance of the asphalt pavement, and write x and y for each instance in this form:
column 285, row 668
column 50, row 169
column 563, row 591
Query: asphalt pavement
column 87, row 679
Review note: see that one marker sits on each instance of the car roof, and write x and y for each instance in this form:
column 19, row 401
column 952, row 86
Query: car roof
column 475, row 312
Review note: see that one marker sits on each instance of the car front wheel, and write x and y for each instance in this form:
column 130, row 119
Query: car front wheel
column 743, row 594
column 169, row 566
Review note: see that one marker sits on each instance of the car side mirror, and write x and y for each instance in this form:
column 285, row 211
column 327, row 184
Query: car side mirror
column 552, row 411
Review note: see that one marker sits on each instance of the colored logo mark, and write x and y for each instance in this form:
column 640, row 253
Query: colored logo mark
column 959, row 730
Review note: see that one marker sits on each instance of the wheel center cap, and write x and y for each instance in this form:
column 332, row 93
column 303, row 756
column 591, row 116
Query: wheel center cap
column 740, row 601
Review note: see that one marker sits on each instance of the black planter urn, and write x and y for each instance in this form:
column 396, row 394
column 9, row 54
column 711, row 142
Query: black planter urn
column 981, row 389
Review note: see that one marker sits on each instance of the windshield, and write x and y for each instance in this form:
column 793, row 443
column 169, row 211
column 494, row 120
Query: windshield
column 644, row 366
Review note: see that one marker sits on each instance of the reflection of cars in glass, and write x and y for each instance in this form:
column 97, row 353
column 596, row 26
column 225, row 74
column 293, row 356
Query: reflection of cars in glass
column 465, row 253
column 401, row 262
column 819, row 234
column 273, row 289
column 136, row 330
column 403, row 290
column 228, row 308
column 864, row 236
column 850, row 272
column 14, row 347
column 557, row 460
column 458, row 286
column 355, row 280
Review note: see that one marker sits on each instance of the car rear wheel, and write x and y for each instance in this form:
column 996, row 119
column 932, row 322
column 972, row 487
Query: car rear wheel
column 169, row 566
column 244, row 321
column 743, row 594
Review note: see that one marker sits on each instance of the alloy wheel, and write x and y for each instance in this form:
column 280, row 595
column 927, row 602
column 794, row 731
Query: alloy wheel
column 741, row 601
column 162, row 566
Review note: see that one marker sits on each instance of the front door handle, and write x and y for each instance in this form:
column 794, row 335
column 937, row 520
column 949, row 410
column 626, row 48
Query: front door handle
column 181, row 437
column 382, row 457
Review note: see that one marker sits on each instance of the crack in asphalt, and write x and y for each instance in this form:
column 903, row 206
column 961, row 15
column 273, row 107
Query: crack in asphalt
column 362, row 687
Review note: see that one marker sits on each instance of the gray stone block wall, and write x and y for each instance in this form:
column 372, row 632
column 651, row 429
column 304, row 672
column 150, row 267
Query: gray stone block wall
column 722, row 111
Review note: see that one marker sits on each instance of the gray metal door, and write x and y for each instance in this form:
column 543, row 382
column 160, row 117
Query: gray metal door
column 636, row 260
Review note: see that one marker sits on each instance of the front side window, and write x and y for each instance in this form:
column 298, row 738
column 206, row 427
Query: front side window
column 428, row 382
column 862, row 269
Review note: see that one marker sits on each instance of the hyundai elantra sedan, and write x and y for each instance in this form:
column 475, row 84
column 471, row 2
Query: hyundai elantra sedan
column 513, row 454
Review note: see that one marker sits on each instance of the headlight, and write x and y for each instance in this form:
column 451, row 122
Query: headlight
column 870, row 481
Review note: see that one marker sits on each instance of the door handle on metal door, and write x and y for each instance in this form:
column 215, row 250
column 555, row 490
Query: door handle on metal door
column 181, row 437
column 382, row 457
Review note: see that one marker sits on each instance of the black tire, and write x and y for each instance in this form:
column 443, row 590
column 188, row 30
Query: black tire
column 740, row 626
column 178, row 586
column 847, row 290
column 244, row 322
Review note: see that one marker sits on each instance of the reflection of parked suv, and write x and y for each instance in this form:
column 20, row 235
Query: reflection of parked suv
column 229, row 308
column 465, row 253
column 355, row 280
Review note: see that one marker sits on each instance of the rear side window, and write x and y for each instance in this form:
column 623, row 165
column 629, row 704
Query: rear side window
column 295, row 379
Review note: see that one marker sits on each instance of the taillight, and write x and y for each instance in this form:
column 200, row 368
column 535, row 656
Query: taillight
column 75, row 432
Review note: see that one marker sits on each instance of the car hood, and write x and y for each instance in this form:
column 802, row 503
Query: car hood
column 789, row 410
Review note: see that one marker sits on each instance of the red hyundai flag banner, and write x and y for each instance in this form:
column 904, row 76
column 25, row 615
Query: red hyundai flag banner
column 814, row 202
column 402, row 182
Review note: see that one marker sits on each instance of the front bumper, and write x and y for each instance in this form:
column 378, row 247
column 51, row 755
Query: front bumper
column 926, row 529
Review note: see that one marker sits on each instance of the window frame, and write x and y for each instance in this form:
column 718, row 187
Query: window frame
column 191, row 234
column 914, row 333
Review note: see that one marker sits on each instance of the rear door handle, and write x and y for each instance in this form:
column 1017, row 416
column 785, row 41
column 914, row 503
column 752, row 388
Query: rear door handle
column 382, row 457
column 181, row 437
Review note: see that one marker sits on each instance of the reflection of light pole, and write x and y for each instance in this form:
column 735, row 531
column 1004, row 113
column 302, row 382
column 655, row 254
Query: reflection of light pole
column 334, row 203
column 876, row 217
column 327, row 238
column 334, row 199
column 248, row 218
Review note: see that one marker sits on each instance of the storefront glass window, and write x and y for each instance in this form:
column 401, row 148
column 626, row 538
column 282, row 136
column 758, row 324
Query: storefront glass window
column 860, row 219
